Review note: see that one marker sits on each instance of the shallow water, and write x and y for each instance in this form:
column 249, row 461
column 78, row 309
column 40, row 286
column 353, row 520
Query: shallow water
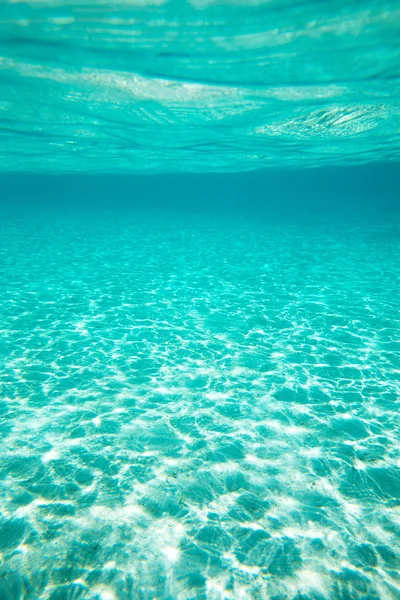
column 199, row 333
column 198, row 406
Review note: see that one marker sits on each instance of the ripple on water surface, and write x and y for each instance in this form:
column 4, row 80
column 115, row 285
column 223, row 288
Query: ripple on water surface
column 198, row 408
column 200, row 86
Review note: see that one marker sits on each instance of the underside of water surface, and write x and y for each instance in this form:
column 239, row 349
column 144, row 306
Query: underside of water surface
column 160, row 86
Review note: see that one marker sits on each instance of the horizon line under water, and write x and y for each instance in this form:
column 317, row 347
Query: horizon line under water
column 156, row 86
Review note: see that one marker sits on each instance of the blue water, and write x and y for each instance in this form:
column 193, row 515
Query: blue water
column 199, row 401
column 172, row 86
column 199, row 333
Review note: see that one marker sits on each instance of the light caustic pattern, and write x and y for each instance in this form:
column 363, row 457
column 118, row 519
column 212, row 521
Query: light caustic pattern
column 168, row 85
column 198, row 408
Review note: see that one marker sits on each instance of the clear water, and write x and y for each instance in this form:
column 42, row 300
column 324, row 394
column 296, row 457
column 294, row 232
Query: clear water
column 173, row 86
column 199, row 334
column 199, row 405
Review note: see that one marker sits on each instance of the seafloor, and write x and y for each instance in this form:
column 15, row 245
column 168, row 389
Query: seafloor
column 198, row 406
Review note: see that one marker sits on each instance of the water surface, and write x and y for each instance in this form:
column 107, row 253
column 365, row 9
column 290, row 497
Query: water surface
column 172, row 86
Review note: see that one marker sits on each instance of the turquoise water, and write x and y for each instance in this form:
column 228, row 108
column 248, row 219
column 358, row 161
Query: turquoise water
column 172, row 86
column 199, row 300
column 199, row 405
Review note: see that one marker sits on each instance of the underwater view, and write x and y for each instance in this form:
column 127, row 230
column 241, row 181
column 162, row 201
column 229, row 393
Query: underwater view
column 199, row 300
